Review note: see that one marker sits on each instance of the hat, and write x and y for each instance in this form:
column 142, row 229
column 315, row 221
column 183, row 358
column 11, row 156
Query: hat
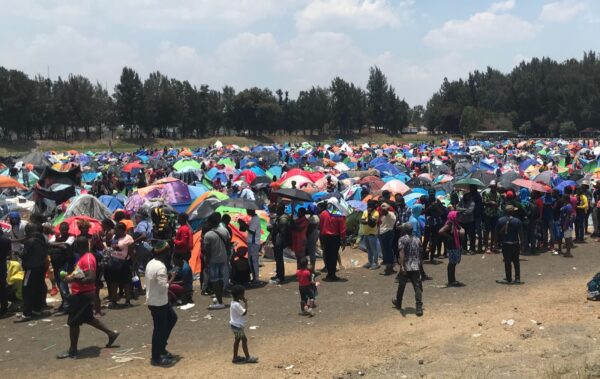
column 492, row 183
column 509, row 208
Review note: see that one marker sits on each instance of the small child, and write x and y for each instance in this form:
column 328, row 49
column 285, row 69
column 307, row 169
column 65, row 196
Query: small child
column 238, row 321
column 307, row 287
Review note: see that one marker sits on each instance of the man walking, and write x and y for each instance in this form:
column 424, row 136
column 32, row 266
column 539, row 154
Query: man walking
column 508, row 231
column 410, row 260
column 164, row 317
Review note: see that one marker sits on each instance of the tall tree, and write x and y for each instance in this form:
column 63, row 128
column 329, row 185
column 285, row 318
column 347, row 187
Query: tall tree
column 377, row 95
column 129, row 100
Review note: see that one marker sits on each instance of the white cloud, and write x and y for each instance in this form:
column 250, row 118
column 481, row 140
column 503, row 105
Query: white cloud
column 503, row 6
column 483, row 29
column 360, row 14
column 561, row 11
column 67, row 51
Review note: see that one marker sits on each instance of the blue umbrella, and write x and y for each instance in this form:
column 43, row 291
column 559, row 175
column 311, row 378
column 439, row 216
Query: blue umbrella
column 566, row 183
column 358, row 205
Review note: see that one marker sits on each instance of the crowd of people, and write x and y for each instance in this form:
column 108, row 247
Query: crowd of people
column 404, row 205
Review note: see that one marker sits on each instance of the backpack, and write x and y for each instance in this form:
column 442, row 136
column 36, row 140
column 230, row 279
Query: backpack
column 593, row 288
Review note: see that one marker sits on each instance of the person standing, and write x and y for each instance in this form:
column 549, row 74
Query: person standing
column 214, row 249
column 164, row 317
column 299, row 230
column 332, row 234
column 253, row 241
column 410, row 261
column 61, row 258
column 35, row 254
column 4, row 254
column 83, row 293
column 451, row 232
column 581, row 214
column 281, row 239
column 386, row 236
column 313, row 235
column 183, row 238
column 491, row 201
column 369, row 222
column 466, row 218
column 508, row 231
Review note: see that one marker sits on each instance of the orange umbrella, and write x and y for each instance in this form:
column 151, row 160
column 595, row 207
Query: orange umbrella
column 8, row 182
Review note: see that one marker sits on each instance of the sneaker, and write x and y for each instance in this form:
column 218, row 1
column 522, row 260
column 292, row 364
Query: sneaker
column 374, row 266
column 162, row 362
column 238, row 359
column 367, row 265
column 396, row 304
column 419, row 312
column 555, row 252
column 504, row 281
column 216, row 306
column 251, row 360
column 67, row 354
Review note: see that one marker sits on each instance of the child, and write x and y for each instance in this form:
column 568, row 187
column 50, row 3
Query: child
column 307, row 287
column 238, row 321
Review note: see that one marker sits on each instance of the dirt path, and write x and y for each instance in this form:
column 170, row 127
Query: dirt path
column 357, row 332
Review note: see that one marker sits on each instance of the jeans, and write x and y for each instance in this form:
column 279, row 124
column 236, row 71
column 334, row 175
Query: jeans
column 470, row 235
column 331, row 247
column 164, row 319
column 253, row 254
column 415, row 279
column 385, row 240
column 580, row 225
column 372, row 250
column 547, row 231
column 510, row 252
column 34, row 291
column 279, row 266
column 59, row 265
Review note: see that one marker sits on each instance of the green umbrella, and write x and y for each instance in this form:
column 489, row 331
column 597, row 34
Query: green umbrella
column 227, row 162
column 188, row 164
column 591, row 166
column 467, row 182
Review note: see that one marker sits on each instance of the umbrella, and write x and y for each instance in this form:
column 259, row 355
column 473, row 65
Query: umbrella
column 506, row 180
column 484, row 176
column 467, row 182
column 294, row 194
column 419, row 182
column 531, row 185
column 186, row 164
column 395, row 186
column 566, row 183
column 261, row 182
column 242, row 204
column 544, row 177
column 95, row 225
column 132, row 166
column 8, row 182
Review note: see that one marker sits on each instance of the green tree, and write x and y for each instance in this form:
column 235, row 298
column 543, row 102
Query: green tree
column 378, row 100
column 470, row 120
column 129, row 100
column 567, row 129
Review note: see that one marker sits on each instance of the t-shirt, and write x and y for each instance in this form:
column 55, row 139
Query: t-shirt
column 86, row 263
column 303, row 276
column 508, row 229
column 254, row 227
column 122, row 248
column 366, row 229
column 387, row 222
column 236, row 314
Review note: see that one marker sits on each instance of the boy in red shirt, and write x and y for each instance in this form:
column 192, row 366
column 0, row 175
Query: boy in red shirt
column 183, row 238
column 307, row 287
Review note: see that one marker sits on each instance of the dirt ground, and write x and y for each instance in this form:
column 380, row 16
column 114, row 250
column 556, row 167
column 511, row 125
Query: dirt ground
column 356, row 332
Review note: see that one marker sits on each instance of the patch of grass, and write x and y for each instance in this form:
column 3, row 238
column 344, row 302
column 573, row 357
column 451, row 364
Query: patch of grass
column 586, row 371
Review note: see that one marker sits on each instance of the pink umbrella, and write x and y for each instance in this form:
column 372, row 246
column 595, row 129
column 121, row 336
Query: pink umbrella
column 395, row 186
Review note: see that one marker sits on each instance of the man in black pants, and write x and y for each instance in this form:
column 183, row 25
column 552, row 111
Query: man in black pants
column 410, row 261
column 333, row 235
column 4, row 253
column 35, row 253
column 509, row 231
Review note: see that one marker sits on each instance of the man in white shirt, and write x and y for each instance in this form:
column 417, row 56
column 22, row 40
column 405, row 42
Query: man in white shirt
column 253, row 240
column 247, row 194
column 163, row 315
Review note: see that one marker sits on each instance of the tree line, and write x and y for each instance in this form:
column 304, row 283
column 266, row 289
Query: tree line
column 541, row 97
column 159, row 106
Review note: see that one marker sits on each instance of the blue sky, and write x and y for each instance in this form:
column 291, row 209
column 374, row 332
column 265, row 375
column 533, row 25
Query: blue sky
column 292, row 44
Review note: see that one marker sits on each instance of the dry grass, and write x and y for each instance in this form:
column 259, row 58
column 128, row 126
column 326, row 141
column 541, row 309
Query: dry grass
column 586, row 371
column 23, row 147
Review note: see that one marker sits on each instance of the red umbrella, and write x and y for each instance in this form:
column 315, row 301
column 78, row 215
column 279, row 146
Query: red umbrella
column 374, row 182
column 95, row 225
column 531, row 185
column 132, row 166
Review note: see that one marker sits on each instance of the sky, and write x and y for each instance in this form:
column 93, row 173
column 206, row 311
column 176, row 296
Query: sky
column 291, row 44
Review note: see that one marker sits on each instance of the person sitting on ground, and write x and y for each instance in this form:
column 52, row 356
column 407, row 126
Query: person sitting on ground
column 181, row 282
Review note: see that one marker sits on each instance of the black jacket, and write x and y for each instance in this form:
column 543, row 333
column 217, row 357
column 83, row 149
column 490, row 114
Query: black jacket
column 35, row 252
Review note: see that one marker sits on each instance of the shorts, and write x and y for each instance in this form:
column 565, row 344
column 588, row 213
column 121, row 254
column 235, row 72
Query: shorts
column 217, row 272
column 454, row 256
column 81, row 309
column 238, row 332
column 118, row 271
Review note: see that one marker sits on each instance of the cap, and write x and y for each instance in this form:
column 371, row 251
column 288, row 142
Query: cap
column 509, row 208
